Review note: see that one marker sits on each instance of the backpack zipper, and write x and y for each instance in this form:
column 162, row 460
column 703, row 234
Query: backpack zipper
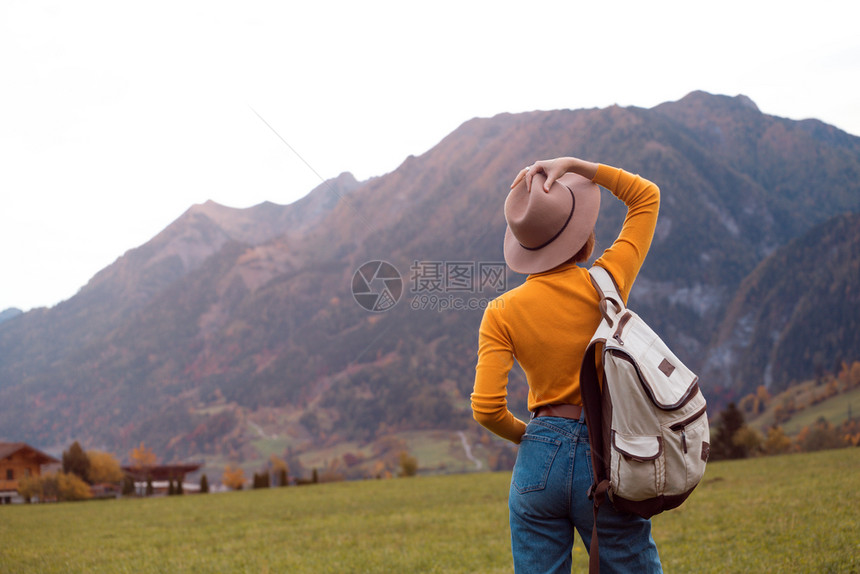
column 625, row 318
column 681, row 426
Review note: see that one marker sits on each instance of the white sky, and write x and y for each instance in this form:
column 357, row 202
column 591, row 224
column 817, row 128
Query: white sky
column 115, row 117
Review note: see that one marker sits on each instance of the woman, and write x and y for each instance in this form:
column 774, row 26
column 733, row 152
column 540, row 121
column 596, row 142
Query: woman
column 546, row 324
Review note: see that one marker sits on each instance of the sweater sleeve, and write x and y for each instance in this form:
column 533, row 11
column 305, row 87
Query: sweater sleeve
column 625, row 257
column 489, row 399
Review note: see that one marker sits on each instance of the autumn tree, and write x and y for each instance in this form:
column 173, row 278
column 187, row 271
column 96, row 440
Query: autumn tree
column 854, row 375
column 233, row 477
column 104, row 467
column 776, row 441
column 748, row 439
column 75, row 461
column 408, row 464
column 142, row 457
column 850, row 430
column 820, row 436
column 30, row 487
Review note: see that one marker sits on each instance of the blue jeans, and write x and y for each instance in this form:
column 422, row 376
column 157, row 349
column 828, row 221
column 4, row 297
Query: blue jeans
column 549, row 499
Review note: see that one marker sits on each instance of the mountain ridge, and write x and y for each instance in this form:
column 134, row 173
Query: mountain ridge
column 219, row 318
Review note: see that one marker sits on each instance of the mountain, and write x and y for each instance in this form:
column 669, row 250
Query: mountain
column 233, row 325
column 50, row 337
column 10, row 313
column 796, row 315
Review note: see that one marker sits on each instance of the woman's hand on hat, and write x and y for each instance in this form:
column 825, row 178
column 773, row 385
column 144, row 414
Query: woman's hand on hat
column 554, row 169
column 551, row 168
column 520, row 177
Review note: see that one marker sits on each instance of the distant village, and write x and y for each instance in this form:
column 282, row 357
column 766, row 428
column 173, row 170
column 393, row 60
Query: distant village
column 29, row 475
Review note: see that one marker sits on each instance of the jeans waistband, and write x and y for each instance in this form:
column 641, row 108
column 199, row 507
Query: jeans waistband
column 565, row 411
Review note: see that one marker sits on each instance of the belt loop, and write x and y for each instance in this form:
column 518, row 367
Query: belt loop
column 582, row 414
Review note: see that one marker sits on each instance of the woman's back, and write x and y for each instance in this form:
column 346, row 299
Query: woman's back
column 550, row 319
column 547, row 322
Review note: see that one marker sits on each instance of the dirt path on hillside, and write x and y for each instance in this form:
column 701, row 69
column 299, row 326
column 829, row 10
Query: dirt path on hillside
column 468, row 448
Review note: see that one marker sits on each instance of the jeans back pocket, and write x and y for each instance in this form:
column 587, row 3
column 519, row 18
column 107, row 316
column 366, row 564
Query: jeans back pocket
column 534, row 460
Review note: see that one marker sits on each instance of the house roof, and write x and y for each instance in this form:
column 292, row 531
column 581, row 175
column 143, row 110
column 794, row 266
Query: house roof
column 7, row 449
column 161, row 472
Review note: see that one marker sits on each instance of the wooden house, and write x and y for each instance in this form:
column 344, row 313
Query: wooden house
column 19, row 460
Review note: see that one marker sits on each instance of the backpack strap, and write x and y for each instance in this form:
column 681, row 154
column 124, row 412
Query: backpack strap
column 608, row 291
column 598, row 494
column 611, row 305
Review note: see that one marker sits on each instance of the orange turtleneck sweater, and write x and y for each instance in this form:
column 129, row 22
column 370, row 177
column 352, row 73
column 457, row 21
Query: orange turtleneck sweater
column 547, row 322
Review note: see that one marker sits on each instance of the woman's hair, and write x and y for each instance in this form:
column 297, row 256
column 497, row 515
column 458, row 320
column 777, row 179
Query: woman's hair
column 584, row 252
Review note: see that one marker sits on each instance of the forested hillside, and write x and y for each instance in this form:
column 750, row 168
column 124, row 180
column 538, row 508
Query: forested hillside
column 236, row 324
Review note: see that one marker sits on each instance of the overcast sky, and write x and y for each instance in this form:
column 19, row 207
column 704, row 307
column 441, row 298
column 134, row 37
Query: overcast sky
column 115, row 117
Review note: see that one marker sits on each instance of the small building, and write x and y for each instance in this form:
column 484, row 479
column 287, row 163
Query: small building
column 19, row 460
column 161, row 476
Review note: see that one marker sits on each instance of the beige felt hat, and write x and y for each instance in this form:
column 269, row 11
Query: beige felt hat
column 545, row 229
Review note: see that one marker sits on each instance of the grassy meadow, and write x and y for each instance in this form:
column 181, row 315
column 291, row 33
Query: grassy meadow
column 791, row 513
column 836, row 409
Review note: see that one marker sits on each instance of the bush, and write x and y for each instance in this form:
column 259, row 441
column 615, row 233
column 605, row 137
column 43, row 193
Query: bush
column 776, row 442
column 749, row 439
column 60, row 486
column 408, row 464
column 821, row 436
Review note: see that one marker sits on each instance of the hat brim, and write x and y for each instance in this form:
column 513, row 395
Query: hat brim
column 587, row 197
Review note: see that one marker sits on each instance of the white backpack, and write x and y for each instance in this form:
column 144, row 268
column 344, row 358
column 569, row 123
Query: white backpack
column 648, row 426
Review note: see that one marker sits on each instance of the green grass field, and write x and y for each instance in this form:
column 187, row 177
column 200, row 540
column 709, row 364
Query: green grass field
column 793, row 513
